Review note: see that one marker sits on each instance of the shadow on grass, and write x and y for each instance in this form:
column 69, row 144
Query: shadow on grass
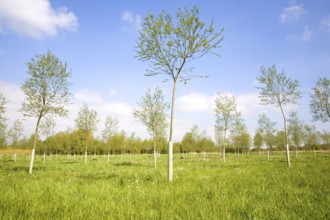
column 19, row 168
column 98, row 176
column 125, row 163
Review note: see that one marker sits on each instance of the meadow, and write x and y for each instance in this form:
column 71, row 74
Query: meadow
column 129, row 187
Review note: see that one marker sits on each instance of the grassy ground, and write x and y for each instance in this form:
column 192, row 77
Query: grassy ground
column 244, row 187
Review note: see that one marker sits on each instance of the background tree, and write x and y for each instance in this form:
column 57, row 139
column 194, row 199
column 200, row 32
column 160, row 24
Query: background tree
column 258, row 140
column 268, row 131
column 197, row 141
column 295, row 130
column 152, row 112
column 111, row 126
column 280, row 140
column 311, row 137
column 86, row 122
column 46, row 91
column 3, row 125
column 320, row 103
column 170, row 45
column 47, row 128
column 118, row 141
column 226, row 116
column 188, row 142
column 15, row 133
column 278, row 89
column 325, row 136
column 240, row 136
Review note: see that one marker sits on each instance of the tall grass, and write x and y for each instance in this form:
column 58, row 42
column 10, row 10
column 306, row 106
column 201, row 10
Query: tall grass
column 244, row 187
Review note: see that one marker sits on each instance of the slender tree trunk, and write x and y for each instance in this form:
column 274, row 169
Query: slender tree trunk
column 86, row 155
column 267, row 153
column 286, row 139
column 155, row 152
column 34, row 143
column 296, row 152
column 170, row 147
column 224, row 146
column 109, row 153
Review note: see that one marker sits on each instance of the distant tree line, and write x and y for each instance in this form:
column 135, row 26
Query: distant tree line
column 74, row 142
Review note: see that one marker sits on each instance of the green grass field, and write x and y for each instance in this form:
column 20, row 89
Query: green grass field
column 244, row 187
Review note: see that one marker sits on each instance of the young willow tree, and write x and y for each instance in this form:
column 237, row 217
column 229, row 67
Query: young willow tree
column 152, row 112
column 86, row 122
column 278, row 89
column 46, row 91
column 15, row 133
column 170, row 45
column 295, row 130
column 3, row 120
column 268, row 131
column 320, row 103
column 258, row 140
column 226, row 117
column 111, row 126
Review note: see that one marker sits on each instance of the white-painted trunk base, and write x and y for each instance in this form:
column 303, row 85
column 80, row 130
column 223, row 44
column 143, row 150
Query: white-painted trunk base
column 170, row 161
column 31, row 161
column 288, row 155
column 155, row 159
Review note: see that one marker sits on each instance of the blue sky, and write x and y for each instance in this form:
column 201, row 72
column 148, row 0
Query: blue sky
column 97, row 39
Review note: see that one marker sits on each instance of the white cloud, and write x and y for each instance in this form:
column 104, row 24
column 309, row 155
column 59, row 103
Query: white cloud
column 248, row 104
column 291, row 13
column 133, row 21
column 35, row 18
column 15, row 96
column 326, row 23
column 307, row 34
column 195, row 102
column 87, row 96
column 304, row 36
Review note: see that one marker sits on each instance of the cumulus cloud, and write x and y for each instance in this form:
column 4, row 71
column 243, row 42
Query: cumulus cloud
column 195, row 102
column 200, row 102
column 35, row 18
column 87, row 96
column 133, row 21
column 291, row 13
column 303, row 36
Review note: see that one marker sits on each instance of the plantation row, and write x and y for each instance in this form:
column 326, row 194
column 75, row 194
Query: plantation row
column 74, row 143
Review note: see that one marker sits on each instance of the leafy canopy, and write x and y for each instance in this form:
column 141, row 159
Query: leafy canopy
column 276, row 88
column 111, row 126
column 47, row 89
column 87, row 119
column 320, row 103
column 226, row 112
column 170, row 44
column 152, row 112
